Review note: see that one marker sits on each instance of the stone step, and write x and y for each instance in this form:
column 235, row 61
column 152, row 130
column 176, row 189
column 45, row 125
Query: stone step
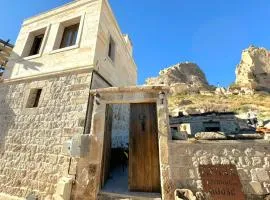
column 129, row 196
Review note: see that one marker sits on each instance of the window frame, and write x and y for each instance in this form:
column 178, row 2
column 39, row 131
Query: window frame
column 73, row 30
column 78, row 19
column 112, row 49
column 30, row 39
column 33, row 98
column 33, row 49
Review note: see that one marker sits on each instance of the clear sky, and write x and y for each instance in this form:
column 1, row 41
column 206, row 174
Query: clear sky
column 211, row 33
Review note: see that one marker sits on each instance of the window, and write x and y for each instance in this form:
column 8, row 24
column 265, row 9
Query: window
column 36, row 45
column 69, row 36
column 111, row 52
column 174, row 129
column 33, row 99
column 211, row 126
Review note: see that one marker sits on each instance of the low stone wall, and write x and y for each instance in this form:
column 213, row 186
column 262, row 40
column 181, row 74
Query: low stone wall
column 252, row 160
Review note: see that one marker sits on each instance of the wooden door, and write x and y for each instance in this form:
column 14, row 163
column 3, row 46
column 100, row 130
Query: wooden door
column 144, row 172
column 106, row 159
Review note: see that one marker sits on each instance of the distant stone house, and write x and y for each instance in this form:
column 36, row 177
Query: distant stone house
column 59, row 56
column 206, row 122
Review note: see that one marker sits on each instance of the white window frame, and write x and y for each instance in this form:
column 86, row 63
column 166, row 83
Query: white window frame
column 60, row 30
column 30, row 39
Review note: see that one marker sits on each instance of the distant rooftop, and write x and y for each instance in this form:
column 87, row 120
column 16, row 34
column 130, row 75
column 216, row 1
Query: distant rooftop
column 6, row 43
column 206, row 114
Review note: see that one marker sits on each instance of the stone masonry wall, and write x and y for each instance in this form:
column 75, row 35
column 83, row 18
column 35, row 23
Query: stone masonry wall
column 31, row 139
column 120, row 125
column 252, row 159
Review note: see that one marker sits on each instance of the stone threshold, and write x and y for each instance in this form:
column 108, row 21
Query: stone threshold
column 129, row 196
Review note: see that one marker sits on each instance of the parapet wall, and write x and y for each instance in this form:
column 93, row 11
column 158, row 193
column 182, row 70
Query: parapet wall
column 251, row 157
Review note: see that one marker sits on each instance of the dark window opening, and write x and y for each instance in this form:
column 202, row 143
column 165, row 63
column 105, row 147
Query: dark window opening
column 69, row 36
column 174, row 129
column 211, row 126
column 111, row 52
column 33, row 99
column 36, row 45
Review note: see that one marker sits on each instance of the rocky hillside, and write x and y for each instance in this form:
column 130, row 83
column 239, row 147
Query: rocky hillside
column 241, row 104
column 254, row 69
column 181, row 77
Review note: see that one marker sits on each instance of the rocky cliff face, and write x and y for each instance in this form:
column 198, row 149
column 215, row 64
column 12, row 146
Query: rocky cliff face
column 254, row 69
column 182, row 76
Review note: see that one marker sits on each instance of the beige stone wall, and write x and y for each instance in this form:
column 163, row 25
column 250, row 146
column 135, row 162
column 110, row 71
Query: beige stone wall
column 52, row 60
column 122, row 71
column 31, row 158
column 252, row 159
column 120, row 125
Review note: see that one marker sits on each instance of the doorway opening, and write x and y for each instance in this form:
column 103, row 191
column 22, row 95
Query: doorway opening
column 130, row 152
column 116, row 149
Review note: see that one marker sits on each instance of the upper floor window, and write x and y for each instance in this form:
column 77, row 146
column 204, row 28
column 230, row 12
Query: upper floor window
column 69, row 36
column 36, row 45
column 111, row 52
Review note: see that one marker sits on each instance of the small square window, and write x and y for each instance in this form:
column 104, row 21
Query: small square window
column 111, row 52
column 69, row 36
column 36, row 45
column 33, row 45
column 33, row 99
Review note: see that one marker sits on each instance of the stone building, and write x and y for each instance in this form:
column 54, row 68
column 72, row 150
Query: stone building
column 5, row 50
column 60, row 123
column 225, row 122
column 59, row 56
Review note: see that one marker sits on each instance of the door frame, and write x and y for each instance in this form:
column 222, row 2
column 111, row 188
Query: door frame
column 129, row 95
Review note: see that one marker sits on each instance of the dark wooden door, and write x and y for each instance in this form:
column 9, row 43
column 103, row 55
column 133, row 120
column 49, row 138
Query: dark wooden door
column 105, row 170
column 144, row 172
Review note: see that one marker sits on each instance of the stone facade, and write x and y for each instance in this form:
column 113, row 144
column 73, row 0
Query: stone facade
column 97, row 25
column 250, row 157
column 120, row 125
column 32, row 159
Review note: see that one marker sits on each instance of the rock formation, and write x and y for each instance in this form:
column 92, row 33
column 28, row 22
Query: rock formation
column 254, row 69
column 182, row 76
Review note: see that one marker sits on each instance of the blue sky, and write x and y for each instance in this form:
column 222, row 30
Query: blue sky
column 211, row 33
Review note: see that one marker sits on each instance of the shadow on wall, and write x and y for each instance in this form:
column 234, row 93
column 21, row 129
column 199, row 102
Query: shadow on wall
column 7, row 114
column 9, row 98
column 21, row 62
